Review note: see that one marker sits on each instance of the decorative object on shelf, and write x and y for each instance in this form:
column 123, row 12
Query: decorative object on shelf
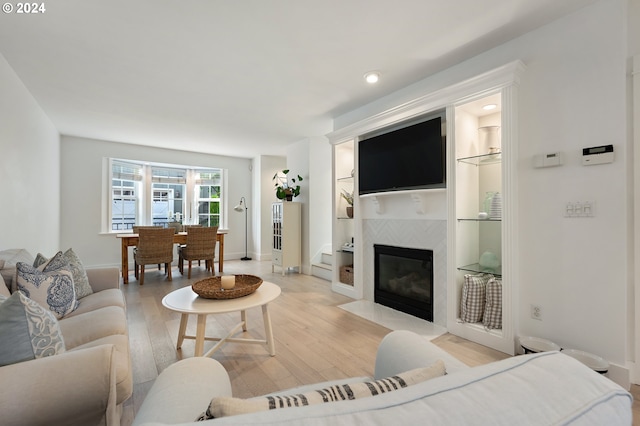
column 489, row 139
column 483, row 215
column 489, row 261
column 346, row 274
column 239, row 208
column 286, row 188
column 348, row 196
column 211, row 288
column 486, row 204
column 496, row 206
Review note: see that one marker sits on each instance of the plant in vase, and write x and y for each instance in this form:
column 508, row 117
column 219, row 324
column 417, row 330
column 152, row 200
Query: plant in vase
column 348, row 196
column 286, row 188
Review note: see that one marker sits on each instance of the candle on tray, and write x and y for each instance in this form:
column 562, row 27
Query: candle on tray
column 228, row 282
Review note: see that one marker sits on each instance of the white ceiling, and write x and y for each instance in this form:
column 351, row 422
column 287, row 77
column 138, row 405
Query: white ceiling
column 242, row 77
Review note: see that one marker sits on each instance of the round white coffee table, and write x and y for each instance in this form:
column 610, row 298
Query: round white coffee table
column 187, row 302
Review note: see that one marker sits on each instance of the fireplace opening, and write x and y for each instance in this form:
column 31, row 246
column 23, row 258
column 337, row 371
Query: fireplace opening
column 404, row 279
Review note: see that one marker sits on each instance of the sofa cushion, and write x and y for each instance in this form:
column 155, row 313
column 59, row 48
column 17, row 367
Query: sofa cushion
column 80, row 279
column 124, row 379
column 27, row 331
column 12, row 256
column 51, row 285
column 8, row 271
column 4, row 290
column 224, row 406
column 104, row 322
column 100, row 299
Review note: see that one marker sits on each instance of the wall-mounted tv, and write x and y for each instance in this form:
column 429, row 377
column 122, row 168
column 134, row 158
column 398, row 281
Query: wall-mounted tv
column 406, row 158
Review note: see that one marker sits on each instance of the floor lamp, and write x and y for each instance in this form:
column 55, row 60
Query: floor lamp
column 239, row 208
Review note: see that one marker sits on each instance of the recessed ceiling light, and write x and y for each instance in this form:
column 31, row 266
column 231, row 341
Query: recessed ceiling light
column 372, row 77
column 489, row 107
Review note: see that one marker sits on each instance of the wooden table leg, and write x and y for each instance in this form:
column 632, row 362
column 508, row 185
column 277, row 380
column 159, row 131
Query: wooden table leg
column 202, row 322
column 184, row 319
column 268, row 330
column 243, row 318
column 125, row 261
column 221, row 253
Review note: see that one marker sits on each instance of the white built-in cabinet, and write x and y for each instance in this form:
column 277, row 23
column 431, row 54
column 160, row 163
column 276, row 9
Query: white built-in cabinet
column 344, row 238
column 472, row 171
column 286, row 250
column 479, row 154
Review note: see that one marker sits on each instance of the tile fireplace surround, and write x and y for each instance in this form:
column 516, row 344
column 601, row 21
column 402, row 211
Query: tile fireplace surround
column 421, row 234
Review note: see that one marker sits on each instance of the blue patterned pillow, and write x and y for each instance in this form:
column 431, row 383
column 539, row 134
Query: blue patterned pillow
column 27, row 331
column 80, row 279
column 50, row 285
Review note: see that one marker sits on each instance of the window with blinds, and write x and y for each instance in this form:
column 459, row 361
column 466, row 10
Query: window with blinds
column 149, row 194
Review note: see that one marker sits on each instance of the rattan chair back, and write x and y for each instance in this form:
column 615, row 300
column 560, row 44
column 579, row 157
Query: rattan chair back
column 155, row 245
column 201, row 243
column 137, row 228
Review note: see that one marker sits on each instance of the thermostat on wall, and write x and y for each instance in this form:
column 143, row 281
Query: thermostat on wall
column 597, row 155
column 547, row 160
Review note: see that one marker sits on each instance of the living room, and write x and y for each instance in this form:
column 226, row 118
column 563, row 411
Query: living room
column 575, row 92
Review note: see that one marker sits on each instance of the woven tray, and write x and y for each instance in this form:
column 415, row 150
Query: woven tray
column 211, row 288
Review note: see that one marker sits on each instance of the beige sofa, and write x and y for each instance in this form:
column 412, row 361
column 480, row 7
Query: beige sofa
column 540, row 389
column 88, row 383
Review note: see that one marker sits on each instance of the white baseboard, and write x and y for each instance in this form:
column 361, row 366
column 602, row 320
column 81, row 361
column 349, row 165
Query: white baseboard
column 620, row 375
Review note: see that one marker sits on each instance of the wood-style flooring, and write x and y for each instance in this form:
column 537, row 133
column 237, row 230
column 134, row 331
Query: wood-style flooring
column 315, row 339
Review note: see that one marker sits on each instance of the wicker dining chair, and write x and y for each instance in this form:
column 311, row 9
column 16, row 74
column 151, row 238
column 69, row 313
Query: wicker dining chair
column 201, row 245
column 136, row 230
column 154, row 246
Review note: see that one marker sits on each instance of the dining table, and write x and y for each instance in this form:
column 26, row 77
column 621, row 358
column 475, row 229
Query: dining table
column 131, row 240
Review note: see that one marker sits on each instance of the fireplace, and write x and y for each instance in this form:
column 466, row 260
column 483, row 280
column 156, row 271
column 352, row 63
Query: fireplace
column 403, row 279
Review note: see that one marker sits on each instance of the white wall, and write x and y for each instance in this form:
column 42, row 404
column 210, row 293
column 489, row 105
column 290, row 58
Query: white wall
column 311, row 159
column 29, row 169
column 320, row 182
column 265, row 167
column 298, row 164
column 572, row 95
column 82, row 186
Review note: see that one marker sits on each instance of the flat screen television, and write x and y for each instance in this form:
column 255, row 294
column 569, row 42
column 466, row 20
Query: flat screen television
column 408, row 158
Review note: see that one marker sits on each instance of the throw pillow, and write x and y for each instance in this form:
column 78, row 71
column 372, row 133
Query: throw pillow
column 493, row 308
column 50, row 285
column 27, row 331
column 473, row 297
column 80, row 279
column 225, row 406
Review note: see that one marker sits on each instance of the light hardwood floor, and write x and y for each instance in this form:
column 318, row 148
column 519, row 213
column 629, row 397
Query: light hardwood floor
column 315, row 339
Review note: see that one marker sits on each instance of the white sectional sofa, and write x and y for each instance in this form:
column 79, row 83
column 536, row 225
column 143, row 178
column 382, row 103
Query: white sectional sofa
column 86, row 384
column 540, row 389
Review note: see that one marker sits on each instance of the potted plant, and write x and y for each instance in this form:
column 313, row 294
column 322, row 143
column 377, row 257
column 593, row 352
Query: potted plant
column 286, row 188
column 348, row 196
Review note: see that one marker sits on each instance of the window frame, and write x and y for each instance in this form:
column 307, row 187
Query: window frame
column 145, row 190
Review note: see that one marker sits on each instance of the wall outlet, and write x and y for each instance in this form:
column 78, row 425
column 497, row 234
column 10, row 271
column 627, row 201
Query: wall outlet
column 536, row 312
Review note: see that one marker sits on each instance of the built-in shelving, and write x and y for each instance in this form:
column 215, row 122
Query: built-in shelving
column 478, row 169
column 476, row 268
column 482, row 160
column 344, row 232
